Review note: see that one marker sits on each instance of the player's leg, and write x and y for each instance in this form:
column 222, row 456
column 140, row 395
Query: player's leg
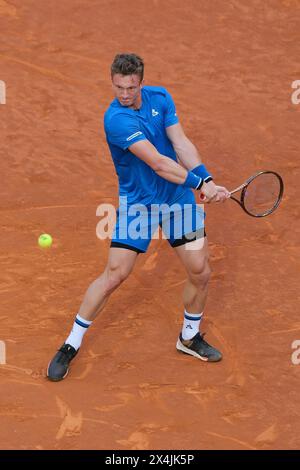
column 120, row 264
column 195, row 258
column 125, row 245
column 187, row 237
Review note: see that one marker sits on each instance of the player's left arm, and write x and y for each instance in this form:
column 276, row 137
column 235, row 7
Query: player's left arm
column 188, row 154
column 184, row 148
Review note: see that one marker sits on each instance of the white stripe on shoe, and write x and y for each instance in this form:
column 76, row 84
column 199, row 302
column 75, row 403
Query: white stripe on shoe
column 181, row 347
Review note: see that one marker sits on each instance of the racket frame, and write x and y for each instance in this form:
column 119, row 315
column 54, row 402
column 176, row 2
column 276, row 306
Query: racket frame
column 243, row 188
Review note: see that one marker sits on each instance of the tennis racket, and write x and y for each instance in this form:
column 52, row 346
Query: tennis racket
column 261, row 194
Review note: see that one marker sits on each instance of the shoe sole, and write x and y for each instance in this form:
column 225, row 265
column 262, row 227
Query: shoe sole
column 184, row 349
column 53, row 379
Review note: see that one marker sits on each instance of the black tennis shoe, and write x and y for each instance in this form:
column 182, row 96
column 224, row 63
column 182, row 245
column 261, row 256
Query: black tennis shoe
column 58, row 368
column 199, row 348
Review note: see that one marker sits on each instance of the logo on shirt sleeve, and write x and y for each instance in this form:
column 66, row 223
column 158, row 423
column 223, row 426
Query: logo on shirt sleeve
column 154, row 112
column 132, row 136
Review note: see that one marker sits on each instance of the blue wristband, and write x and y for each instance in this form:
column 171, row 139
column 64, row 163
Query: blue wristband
column 203, row 173
column 193, row 181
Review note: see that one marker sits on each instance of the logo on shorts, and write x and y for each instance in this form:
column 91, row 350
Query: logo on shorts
column 154, row 112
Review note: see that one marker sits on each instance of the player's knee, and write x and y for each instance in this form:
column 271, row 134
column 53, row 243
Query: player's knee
column 115, row 276
column 200, row 274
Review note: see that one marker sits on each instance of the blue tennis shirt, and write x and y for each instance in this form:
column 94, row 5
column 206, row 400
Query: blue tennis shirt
column 123, row 127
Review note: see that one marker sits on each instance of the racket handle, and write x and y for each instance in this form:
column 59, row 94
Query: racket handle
column 202, row 197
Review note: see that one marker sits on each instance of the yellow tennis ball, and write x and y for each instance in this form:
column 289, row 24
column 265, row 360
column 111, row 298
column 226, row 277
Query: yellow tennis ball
column 45, row 240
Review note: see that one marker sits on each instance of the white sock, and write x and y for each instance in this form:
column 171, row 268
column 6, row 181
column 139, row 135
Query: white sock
column 191, row 324
column 80, row 327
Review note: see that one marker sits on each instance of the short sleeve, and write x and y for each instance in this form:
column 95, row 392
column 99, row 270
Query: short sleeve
column 123, row 130
column 170, row 111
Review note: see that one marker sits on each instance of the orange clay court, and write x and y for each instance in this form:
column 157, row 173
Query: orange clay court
column 229, row 67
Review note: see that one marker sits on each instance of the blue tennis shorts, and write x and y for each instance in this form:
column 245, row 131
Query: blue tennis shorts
column 181, row 222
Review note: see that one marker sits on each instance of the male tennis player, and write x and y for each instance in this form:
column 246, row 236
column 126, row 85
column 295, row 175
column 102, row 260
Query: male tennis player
column 145, row 138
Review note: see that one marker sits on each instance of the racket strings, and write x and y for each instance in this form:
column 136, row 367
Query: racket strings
column 262, row 194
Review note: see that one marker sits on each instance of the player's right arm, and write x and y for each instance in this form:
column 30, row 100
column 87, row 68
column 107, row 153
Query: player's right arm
column 167, row 168
column 123, row 131
column 162, row 165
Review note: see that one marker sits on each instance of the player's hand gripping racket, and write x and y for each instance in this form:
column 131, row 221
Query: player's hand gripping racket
column 261, row 194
